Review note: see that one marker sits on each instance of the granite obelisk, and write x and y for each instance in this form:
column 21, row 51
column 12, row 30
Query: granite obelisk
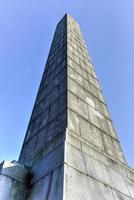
column 71, row 148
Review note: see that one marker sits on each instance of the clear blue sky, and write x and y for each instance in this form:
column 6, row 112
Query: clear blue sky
column 26, row 31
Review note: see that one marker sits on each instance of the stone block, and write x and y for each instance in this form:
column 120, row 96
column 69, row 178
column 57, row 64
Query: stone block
column 73, row 122
column 109, row 148
column 72, row 86
column 49, row 162
column 85, row 129
column 94, row 116
column 81, row 92
column 74, row 158
column 111, row 129
column 118, row 151
column 94, row 152
column 87, row 85
column 130, row 186
column 117, row 181
column 71, row 73
column 53, row 111
column 40, row 189
column 82, row 108
column 62, row 103
column 40, row 140
column 72, row 101
column 90, row 100
column 50, row 187
column 28, row 151
column 91, row 134
column 119, row 196
column 130, row 173
column 72, row 139
column 82, row 187
column 44, row 118
column 56, row 189
column 96, row 169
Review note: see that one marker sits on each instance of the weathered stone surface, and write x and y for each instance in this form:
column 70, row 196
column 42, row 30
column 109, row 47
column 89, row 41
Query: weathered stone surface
column 50, row 187
column 130, row 185
column 74, row 157
column 49, row 162
column 119, row 196
column 70, row 146
column 80, row 186
column 40, row 189
column 11, row 189
column 13, row 181
column 96, row 169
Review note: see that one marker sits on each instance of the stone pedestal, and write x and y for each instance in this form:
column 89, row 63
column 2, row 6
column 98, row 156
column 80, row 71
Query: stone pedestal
column 13, row 181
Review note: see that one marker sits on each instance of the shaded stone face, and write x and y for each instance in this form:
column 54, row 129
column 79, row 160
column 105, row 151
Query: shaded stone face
column 49, row 117
column 70, row 144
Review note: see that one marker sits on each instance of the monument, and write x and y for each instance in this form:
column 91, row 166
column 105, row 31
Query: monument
column 71, row 150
